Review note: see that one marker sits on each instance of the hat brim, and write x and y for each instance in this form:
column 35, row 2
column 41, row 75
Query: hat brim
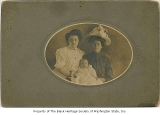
column 106, row 39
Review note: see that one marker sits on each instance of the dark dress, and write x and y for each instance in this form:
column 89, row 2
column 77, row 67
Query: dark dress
column 101, row 65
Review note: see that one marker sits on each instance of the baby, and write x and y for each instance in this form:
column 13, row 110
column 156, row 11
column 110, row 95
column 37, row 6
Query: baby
column 85, row 75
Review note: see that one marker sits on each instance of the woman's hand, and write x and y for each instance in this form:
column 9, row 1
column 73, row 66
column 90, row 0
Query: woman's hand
column 65, row 72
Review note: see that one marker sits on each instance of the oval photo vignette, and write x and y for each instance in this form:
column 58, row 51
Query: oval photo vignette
column 119, row 55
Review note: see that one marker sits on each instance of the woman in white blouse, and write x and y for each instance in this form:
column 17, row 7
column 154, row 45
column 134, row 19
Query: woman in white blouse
column 67, row 58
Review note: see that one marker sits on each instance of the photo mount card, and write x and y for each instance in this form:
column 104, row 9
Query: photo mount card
column 80, row 54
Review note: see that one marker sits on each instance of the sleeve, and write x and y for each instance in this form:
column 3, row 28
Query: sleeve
column 60, row 59
column 82, row 53
column 92, row 71
column 108, row 70
column 77, row 73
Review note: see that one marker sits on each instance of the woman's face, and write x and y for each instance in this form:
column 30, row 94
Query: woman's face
column 96, row 46
column 73, row 41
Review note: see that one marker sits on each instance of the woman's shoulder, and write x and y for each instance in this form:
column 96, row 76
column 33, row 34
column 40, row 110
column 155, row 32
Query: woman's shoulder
column 80, row 51
column 63, row 49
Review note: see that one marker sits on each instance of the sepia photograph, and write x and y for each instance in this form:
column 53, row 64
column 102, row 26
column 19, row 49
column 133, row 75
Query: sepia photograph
column 78, row 53
column 88, row 54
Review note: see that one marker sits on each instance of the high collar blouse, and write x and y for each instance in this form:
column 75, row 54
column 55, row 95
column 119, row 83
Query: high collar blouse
column 68, row 58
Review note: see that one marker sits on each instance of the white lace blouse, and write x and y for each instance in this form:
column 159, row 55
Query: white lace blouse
column 68, row 58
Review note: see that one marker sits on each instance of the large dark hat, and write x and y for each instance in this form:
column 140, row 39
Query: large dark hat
column 76, row 32
column 101, row 32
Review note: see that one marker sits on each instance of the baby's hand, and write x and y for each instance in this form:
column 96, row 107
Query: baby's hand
column 73, row 79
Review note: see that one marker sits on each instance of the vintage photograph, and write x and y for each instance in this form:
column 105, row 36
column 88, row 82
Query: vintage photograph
column 88, row 54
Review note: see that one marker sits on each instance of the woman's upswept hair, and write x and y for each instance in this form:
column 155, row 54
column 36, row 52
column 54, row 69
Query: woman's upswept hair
column 76, row 32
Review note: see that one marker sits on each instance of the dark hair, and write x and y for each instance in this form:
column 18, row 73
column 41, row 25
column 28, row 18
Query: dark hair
column 93, row 38
column 76, row 32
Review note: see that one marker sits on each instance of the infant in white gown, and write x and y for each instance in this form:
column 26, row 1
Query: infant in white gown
column 85, row 75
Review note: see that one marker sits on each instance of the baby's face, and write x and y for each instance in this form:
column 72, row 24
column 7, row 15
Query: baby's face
column 84, row 64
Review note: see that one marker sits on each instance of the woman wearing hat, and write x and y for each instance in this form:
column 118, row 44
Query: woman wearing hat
column 98, row 38
column 67, row 58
